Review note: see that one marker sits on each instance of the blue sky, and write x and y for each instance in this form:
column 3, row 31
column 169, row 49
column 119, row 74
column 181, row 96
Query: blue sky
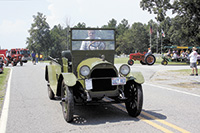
column 16, row 16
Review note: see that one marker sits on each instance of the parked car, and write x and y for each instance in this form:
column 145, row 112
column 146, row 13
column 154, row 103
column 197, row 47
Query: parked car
column 86, row 74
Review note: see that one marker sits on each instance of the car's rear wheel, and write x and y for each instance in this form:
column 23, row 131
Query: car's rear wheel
column 150, row 59
column 67, row 102
column 50, row 92
column 134, row 93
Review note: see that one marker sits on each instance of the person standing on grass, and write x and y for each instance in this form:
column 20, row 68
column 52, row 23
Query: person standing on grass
column 193, row 61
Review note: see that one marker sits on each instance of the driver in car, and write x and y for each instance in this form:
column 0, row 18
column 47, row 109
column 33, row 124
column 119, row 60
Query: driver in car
column 92, row 45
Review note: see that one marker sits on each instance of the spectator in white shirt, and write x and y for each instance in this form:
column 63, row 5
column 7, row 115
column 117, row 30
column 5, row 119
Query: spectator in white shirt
column 193, row 61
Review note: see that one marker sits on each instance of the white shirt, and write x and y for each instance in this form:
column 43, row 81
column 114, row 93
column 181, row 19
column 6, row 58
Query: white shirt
column 94, row 45
column 193, row 57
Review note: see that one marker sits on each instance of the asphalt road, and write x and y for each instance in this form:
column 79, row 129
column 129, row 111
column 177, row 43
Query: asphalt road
column 30, row 110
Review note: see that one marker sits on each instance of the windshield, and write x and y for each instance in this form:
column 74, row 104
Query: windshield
column 93, row 39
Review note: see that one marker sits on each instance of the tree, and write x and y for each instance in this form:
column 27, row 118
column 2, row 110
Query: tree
column 111, row 24
column 122, row 27
column 59, row 41
column 136, row 38
column 80, row 25
column 39, row 40
column 187, row 11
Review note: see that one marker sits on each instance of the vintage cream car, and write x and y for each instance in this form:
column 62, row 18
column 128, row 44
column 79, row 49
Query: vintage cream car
column 86, row 74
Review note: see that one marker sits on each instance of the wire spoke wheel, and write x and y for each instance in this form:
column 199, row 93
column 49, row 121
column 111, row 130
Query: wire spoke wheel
column 135, row 99
column 67, row 102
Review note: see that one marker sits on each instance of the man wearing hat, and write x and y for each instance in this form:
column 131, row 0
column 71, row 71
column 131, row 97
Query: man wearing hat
column 193, row 61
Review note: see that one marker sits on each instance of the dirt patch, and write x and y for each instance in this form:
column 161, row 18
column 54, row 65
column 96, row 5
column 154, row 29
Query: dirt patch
column 177, row 79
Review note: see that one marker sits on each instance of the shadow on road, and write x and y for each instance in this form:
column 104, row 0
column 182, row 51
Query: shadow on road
column 101, row 114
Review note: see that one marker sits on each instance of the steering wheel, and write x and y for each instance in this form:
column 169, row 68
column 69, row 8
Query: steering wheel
column 99, row 45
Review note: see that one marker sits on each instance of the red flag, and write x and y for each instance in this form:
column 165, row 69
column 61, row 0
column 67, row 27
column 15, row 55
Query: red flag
column 163, row 34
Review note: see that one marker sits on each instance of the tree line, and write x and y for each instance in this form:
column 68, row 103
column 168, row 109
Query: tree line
column 182, row 30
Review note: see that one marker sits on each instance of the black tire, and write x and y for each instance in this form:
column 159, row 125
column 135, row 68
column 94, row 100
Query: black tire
column 14, row 64
column 150, row 59
column 142, row 62
column 50, row 93
column 198, row 62
column 67, row 102
column 21, row 63
column 134, row 93
column 130, row 62
column 164, row 62
column 7, row 63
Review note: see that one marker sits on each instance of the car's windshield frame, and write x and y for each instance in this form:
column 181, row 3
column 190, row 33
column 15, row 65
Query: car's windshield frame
column 104, row 36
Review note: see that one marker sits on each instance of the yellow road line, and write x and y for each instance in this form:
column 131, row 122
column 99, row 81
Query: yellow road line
column 165, row 123
column 155, row 125
column 157, row 119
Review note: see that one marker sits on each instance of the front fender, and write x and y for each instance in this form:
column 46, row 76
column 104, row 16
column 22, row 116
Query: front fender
column 136, row 76
column 69, row 79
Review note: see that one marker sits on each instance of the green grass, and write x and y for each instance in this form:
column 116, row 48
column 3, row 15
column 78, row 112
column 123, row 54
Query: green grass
column 3, row 81
column 124, row 60
column 3, row 77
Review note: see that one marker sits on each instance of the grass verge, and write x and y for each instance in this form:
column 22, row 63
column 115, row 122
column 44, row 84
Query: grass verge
column 3, row 80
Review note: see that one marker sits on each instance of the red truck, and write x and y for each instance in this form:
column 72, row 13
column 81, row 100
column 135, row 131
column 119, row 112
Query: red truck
column 13, row 58
column 25, row 54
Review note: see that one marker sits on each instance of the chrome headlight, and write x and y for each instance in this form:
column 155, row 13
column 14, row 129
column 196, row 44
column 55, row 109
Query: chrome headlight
column 124, row 70
column 84, row 70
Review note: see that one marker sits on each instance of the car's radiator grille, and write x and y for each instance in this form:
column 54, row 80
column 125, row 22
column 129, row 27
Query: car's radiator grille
column 101, row 79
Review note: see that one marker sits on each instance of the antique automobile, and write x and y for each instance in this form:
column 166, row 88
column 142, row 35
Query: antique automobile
column 86, row 74
column 144, row 58
column 178, row 54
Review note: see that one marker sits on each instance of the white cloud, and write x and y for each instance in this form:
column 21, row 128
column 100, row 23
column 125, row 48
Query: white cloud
column 12, row 27
column 13, row 34
column 95, row 12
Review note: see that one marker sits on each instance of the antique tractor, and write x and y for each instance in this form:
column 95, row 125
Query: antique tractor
column 144, row 58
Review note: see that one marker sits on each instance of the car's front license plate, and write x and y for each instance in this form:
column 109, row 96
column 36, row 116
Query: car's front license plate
column 119, row 81
column 88, row 84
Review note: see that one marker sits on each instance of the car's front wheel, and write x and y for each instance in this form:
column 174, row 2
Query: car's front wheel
column 134, row 93
column 67, row 102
